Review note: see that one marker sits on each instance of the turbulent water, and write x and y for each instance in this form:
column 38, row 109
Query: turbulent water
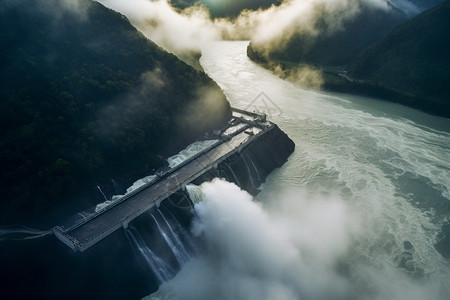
column 189, row 152
column 358, row 211
column 172, row 161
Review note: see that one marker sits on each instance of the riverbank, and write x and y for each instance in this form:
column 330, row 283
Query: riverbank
column 385, row 164
column 336, row 80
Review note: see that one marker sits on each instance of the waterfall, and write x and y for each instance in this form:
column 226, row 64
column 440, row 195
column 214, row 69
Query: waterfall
column 234, row 175
column 195, row 193
column 106, row 199
column 254, row 167
column 176, row 237
column 249, row 171
column 159, row 267
column 222, row 174
column 181, row 257
column 183, row 233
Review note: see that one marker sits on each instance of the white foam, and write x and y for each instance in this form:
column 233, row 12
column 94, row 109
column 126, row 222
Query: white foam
column 141, row 182
column 136, row 185
column 195, row 193
column 190, row 151
column 233, row 129
column 359, row 148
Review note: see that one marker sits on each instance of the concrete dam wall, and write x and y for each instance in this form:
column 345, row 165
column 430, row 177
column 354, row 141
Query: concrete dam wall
column 245, row 153
column 249, row 168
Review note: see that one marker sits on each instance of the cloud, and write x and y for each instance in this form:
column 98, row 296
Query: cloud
column 278, row 25
column 251, row 253
column 177, row 32
column 300, row 247
column 127, row 111
column 181, row 31
column 205, row 110
column 305, row 76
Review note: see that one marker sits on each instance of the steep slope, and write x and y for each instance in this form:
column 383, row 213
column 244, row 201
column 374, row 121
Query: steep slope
column 334, row 35
column 414, row 7
column 85, row 98
column 414, row 59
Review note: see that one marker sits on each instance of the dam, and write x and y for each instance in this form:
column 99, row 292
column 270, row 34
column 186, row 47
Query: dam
column 244, row 131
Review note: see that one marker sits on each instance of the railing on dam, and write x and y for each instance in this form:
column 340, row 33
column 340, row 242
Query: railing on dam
column 101, row 224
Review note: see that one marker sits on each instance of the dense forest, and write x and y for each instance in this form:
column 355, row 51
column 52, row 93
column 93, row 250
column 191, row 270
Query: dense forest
column 332, row 38
column 414, row 59
column 85, row 98
column 408, row 63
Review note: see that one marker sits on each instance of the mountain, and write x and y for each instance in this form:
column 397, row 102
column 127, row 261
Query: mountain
column 414, row 60
column 414, row 7
column 85, row 98
column 334, row 36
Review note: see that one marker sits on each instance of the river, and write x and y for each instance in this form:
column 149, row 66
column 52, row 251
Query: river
column 360, row 210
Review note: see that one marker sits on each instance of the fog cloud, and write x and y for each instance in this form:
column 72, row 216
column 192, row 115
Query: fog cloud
column 305, row 76
column 252, row 253
column 126, row 111
column 188, row 30
column 177, row 32
column 205, row 110
column 301, row 247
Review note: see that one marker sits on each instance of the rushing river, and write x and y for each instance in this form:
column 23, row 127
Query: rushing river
column 360, row 210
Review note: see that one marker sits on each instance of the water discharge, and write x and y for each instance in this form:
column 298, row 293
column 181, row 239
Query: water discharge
column 176, row 238
column 160, row 268
column 253, row 165
column 195, row 193
column 232, row 172
column 179, row 252
column 357, row 212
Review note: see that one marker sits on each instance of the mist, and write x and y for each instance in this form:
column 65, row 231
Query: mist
column 302, row 246
column 177, row 32
column 203, row 112
column 180, row 31
column 131, row 107
column 307, row 77
column 185, row 32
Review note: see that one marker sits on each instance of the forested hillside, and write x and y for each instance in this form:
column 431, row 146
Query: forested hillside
column 370, row 55
column 85, row 97
column 414, row 59
column 333, row 37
